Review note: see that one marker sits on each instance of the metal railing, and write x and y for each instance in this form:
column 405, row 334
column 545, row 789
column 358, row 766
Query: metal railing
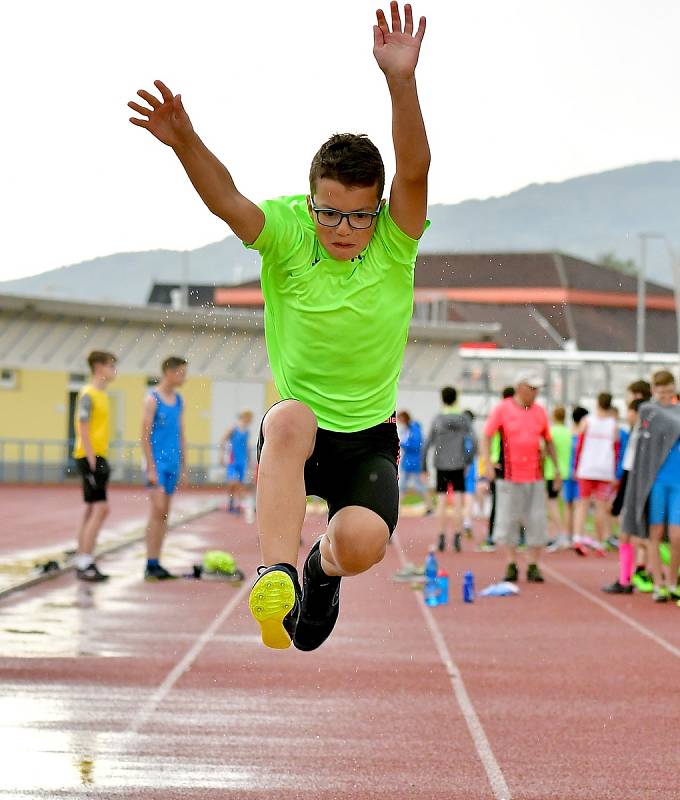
column 51, row 461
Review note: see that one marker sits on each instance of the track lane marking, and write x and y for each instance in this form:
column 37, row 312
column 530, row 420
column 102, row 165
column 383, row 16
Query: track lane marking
column 499, row 786
column 185, row 663
column 638, row 626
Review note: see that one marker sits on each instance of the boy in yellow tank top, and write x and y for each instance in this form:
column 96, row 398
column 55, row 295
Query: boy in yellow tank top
column 92, row 424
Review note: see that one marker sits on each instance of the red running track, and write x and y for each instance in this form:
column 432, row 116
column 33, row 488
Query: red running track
column 164, row 691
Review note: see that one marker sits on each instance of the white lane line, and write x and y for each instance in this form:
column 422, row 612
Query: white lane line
column 499, row 786
column 612, row 610
column 182, row 666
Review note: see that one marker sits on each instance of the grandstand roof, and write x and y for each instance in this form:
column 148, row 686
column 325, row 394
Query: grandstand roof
column 219, row 343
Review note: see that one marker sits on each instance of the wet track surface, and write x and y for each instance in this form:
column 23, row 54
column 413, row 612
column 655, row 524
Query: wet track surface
column 144, row 690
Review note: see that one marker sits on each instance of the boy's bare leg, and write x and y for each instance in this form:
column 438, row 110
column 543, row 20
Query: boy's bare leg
column 289, row 437
column 653, row 556
column 87, row 537
column 83, row 525
column 356, row 539
column 157, row 526
column 674, row 539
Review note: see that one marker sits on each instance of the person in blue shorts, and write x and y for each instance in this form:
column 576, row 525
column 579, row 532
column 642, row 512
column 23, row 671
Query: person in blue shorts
column 570, row 485
column 237, row 438
column 163, row 448
column 471, row 474
column 651, row 505
column 411, row 444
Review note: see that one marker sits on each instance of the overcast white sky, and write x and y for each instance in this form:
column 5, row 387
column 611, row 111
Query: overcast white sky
column 513, row 91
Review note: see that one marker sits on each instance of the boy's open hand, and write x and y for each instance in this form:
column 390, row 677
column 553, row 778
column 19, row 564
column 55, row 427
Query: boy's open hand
column 397, row 51
column 167, row 120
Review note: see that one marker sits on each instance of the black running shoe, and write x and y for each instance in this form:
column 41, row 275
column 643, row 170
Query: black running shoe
column 275, row 603
column 441, row 545
column 534, row 574
column 320, row 607
column 617, row 588
column 158, row 573
column 511, row 573
column 456, row 542
column 91, row 574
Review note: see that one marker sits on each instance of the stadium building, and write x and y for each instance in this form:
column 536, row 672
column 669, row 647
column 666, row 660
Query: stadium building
column 477, row 319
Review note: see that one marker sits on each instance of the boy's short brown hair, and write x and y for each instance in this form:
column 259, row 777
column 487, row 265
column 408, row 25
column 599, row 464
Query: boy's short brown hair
column 173, row 362
column 642, row 388
column 559, row 414
column 350, row 158
column 604, row 401
column 100, row 357
column 663, row 378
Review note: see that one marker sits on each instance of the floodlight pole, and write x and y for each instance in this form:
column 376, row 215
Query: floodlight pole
column 642, row 297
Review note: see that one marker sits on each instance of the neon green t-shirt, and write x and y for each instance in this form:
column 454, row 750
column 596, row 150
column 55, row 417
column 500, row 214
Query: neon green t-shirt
column 561, row 436
column 335, row 330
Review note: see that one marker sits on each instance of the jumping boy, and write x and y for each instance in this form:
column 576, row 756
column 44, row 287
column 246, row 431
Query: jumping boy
column 337, row 278
column 92, row 425
column 163, row 448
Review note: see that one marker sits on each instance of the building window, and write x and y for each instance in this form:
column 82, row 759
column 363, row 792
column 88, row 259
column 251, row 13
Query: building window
column 8, row 379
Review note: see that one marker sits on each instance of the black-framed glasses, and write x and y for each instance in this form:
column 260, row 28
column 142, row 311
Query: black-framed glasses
column 331, row 217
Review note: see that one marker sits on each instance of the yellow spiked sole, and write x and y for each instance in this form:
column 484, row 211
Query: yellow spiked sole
column 271, row 599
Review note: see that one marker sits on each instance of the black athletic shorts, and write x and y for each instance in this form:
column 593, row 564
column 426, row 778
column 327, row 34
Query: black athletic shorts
column 354, row 469
column 553, row 493
column 454, row 477
column 94, row 483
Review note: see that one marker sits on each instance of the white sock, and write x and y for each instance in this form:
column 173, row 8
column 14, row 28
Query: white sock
column 83, row 560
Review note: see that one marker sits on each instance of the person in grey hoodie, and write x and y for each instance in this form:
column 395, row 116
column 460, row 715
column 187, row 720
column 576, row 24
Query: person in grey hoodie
column 455, row 444
column 652, row 500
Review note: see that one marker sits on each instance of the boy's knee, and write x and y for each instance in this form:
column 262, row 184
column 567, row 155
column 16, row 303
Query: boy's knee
column 357, row 549
column 291, row 425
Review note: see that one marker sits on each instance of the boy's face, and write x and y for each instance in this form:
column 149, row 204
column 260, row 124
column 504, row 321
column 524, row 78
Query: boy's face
column 664, row 395
column 176, row 377
column 106, row 371
column 343, row 242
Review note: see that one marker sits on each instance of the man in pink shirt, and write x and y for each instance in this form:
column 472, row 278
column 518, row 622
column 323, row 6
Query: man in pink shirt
column 520, row 494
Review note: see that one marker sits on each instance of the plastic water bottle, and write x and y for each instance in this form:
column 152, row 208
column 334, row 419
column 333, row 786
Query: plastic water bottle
column 431, row 589
column 443, row 585
column 468, row 587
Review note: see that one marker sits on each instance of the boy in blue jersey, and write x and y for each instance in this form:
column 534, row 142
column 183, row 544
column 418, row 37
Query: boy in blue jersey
column 163, row 448
column 238, row 439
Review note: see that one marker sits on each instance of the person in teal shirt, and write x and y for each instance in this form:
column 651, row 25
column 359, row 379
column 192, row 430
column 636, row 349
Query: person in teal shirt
column 337, row 279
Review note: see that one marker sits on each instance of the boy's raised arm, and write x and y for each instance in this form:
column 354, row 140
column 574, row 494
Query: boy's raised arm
column 167, row 120
column 396, row 52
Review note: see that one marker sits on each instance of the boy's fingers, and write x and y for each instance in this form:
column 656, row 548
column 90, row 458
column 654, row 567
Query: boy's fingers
column 140, row 109
column 421, row 29
column 408, row 19
column 150, row 99
column 396, row 19
column 163, row 89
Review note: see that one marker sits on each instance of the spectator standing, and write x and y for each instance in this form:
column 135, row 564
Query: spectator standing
column 447, row 436
column 496, row 456
column 237, row 439
column 623, row 584
column 93, row 433
column 561, row 436
column 411, row 444
column 652, row 499
column 520, row 494
column 164, row 451
column 596, row 471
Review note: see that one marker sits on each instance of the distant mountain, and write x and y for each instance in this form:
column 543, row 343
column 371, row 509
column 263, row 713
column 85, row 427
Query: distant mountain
column 585, row 216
